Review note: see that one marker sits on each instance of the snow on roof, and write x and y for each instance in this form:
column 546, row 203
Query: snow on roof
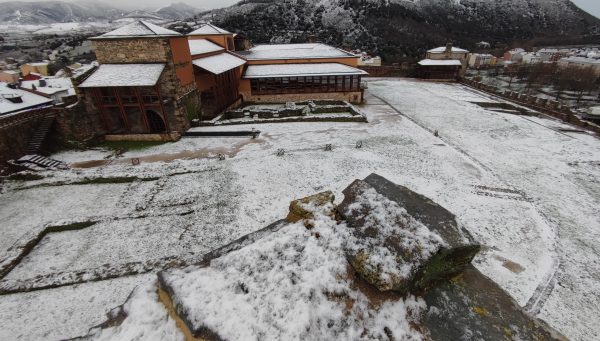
column 442, row 49
column 138, row 29
column 38, row 64
column 594, row 111
column 29, row 100
column 109, row 75
column 446, row 62
column 209, row 29
column 219, row 63
column 290, row 70
column 294, row 51
column 53, row 85
column 202, row 46
column 581, row 60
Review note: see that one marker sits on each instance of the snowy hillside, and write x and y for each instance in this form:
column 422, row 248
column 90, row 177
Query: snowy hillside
column 400, row 28
column 50, row 12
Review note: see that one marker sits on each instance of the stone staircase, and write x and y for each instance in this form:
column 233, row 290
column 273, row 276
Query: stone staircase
column 35, row 161
column 40, row 135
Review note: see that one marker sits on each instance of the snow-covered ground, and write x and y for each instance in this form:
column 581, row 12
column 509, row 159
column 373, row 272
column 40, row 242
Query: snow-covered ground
column 526, row 190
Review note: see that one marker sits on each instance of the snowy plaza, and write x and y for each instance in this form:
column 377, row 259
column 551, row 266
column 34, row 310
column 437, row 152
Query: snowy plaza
column 527, row 187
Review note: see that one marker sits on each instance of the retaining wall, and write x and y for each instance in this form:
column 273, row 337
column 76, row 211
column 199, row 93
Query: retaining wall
column 546, row 106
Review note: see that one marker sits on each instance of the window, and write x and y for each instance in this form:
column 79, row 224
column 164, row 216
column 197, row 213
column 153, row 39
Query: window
column 308, row 84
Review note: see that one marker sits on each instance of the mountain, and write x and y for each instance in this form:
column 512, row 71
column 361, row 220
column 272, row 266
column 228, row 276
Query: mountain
column 49, row 12
column 397, row 29
column 177, row 11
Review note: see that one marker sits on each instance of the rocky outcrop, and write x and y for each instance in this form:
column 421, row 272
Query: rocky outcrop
column 403, row 241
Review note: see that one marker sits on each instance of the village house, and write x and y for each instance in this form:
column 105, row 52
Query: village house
column 442, row 63
column 534, row 58
column 9, row 76
column 584, row 62
column 15, row 100
column 40, row 68
column 56, row 88
column 554, row 54
column 481, row 60
column 514, row 56
column 152, row 80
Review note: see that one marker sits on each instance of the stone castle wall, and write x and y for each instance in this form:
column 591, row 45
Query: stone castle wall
column 77, row 123
column 14, row 139
column 140, row 50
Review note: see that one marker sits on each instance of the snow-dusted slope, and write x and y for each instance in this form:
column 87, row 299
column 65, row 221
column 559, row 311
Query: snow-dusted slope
column 49, row 12
column 398, row 28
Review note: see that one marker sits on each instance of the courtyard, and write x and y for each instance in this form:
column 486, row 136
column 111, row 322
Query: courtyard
column 75, row 243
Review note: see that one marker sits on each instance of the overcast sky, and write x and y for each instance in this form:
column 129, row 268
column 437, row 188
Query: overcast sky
column 592, row 6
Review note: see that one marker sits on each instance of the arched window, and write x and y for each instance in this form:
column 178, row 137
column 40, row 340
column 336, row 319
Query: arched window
column 156, row 122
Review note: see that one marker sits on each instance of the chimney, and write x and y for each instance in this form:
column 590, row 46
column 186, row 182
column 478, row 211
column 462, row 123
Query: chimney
column 312, row 39
column 449, row 48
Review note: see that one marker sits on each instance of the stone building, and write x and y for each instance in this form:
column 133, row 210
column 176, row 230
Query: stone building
column 152, row 81
column 145, row 82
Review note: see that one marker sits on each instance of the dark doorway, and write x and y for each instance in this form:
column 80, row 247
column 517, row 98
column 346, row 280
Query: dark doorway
column 156, row 122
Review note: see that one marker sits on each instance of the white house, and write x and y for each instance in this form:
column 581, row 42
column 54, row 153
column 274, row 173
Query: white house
column 55, row 88
column 479, row 60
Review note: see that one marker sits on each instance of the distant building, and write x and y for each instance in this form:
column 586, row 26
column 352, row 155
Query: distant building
column 366, row 60
column 450, row 52
column 40, row 68
column 444, row 63
column 553, row 54
column 56, row 88
column 481, row 60
column 9, row 76
column 439, row 69
column 514, row 56
column 583, row 62
column 534, row 58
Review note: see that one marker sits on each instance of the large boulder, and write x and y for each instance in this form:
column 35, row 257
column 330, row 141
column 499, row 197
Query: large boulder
column 400, row 240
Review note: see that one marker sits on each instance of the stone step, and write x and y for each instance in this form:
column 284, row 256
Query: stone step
column 41, row 161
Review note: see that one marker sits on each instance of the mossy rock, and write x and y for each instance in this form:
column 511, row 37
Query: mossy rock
column 305, row 208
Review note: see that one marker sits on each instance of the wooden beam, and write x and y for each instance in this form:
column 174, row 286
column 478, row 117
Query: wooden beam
column 122, row 110
column 136, row 90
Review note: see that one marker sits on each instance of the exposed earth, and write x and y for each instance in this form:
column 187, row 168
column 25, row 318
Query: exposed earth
column 77, row 242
